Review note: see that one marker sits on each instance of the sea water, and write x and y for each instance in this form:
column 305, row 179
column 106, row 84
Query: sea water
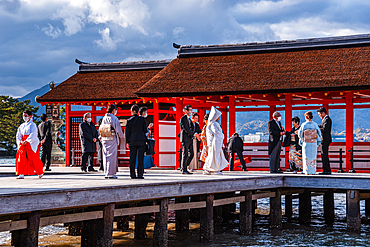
column 292, row 234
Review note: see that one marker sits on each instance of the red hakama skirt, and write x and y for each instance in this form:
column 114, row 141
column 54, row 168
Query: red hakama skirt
column 28, row 162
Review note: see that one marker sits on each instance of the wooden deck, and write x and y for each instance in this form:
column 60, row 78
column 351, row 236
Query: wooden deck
column 62, row 197
column 83, row 189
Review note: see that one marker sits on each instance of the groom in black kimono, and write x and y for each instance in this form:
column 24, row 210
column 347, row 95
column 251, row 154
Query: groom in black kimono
column 276, row 132
column 186, row 139
column 325, row 128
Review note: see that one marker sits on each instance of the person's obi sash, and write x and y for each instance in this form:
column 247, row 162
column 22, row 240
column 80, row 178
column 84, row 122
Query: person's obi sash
column 310, row 136
column 106, row 132
column 28, row 162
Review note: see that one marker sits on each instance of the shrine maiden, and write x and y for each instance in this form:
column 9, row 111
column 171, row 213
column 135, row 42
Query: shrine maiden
column 216, row 161
column 28, row 160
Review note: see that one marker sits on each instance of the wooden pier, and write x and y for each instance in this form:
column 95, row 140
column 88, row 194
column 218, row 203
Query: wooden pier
column 91, row 203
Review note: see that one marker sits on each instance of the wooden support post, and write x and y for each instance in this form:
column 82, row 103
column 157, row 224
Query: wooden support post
column 367, row 207
column 353, row 210
column 68, row 135
column 178, row 129
column 329, row 207
column 156, row 131
column 224, row 123
column 206, row 220
column 246, row 215
column 275, row 211
column 141, row 222
column 160, row 237
column 28, row 237
column 217, row 211
column 74, row 228
column 99, row 232
column 182, row 216
column 288, row 123
column 349, row 128
column 229, row 209
column 288, row 206
column 305, row 207
column 194, row 214
column 123, row 223
column 232, row 115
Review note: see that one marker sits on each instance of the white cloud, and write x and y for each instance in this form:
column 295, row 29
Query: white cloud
column 106, row 41
column 51, row 31
column 314, row 27
column 178, row 31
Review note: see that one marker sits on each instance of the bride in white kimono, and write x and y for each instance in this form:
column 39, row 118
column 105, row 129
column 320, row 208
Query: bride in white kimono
column 216, row 161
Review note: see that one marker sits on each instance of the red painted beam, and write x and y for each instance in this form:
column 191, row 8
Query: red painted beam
column 288, row 123
column 179, row 106
column 68, row 135
column 232, row 115
column 156, row 132
column 349, row 127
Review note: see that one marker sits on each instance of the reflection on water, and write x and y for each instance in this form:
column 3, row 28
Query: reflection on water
column 292, row 234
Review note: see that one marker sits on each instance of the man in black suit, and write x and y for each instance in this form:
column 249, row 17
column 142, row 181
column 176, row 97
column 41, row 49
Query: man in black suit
column 325, row 128
column 88, row 137
column 136, row 130
column 186, row 139
column 236, row 145
column 44, row 135
column 276, row 132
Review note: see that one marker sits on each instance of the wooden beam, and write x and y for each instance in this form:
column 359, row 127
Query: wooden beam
column 263, row 195
column 136, row 210
column 13, row 225
column 186, row 205
column 66, row 218
column 230, row 200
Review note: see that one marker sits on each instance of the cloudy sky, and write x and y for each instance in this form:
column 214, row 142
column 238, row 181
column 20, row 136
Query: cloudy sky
column 41, row 38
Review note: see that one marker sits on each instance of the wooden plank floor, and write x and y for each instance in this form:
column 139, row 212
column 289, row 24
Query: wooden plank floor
column 68, row 187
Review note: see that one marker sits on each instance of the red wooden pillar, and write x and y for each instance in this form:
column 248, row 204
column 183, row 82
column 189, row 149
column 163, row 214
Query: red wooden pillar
column 349, row 127
column 178, row 129
column 326, row 107
column 156, row 131
column 232, row 115
column 288, row 123
column 93, row 115
column 272, row 110
column 224, row 123
column 201, row 117
column 68, row 135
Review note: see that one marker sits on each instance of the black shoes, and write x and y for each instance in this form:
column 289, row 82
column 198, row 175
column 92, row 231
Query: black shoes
column 278, row 171
column 325, row 173
column 186, row 172
column 47, row 169
column 92, row 170
column 137, row 177
column 83, row 169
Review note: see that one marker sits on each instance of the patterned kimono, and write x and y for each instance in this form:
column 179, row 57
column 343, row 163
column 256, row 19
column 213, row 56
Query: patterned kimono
column 295, row 152
column 309, row 138
column 203, row 137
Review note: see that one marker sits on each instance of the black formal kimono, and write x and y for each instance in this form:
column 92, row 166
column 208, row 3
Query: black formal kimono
column 186, row 139
column 87, row 133
column 44, row 134
column 325, row 128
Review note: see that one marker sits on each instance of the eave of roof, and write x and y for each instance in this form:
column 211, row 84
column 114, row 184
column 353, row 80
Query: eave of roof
column 274, row 46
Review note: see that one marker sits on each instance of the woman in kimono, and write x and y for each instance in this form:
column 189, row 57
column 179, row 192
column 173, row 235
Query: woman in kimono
column 295, row 150
column 110, row 134
column 28, row 160
column 203, row 138
column 309, row 138
column 216, row 161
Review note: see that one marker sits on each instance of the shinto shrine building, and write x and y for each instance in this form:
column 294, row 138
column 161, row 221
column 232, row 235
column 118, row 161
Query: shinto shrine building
column 250, row 77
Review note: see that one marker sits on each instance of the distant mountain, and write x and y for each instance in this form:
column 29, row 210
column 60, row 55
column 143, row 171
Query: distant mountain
column 31, row 96
column 252, row 122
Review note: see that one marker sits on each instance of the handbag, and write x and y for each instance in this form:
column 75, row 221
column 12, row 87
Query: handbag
column 150, row 143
